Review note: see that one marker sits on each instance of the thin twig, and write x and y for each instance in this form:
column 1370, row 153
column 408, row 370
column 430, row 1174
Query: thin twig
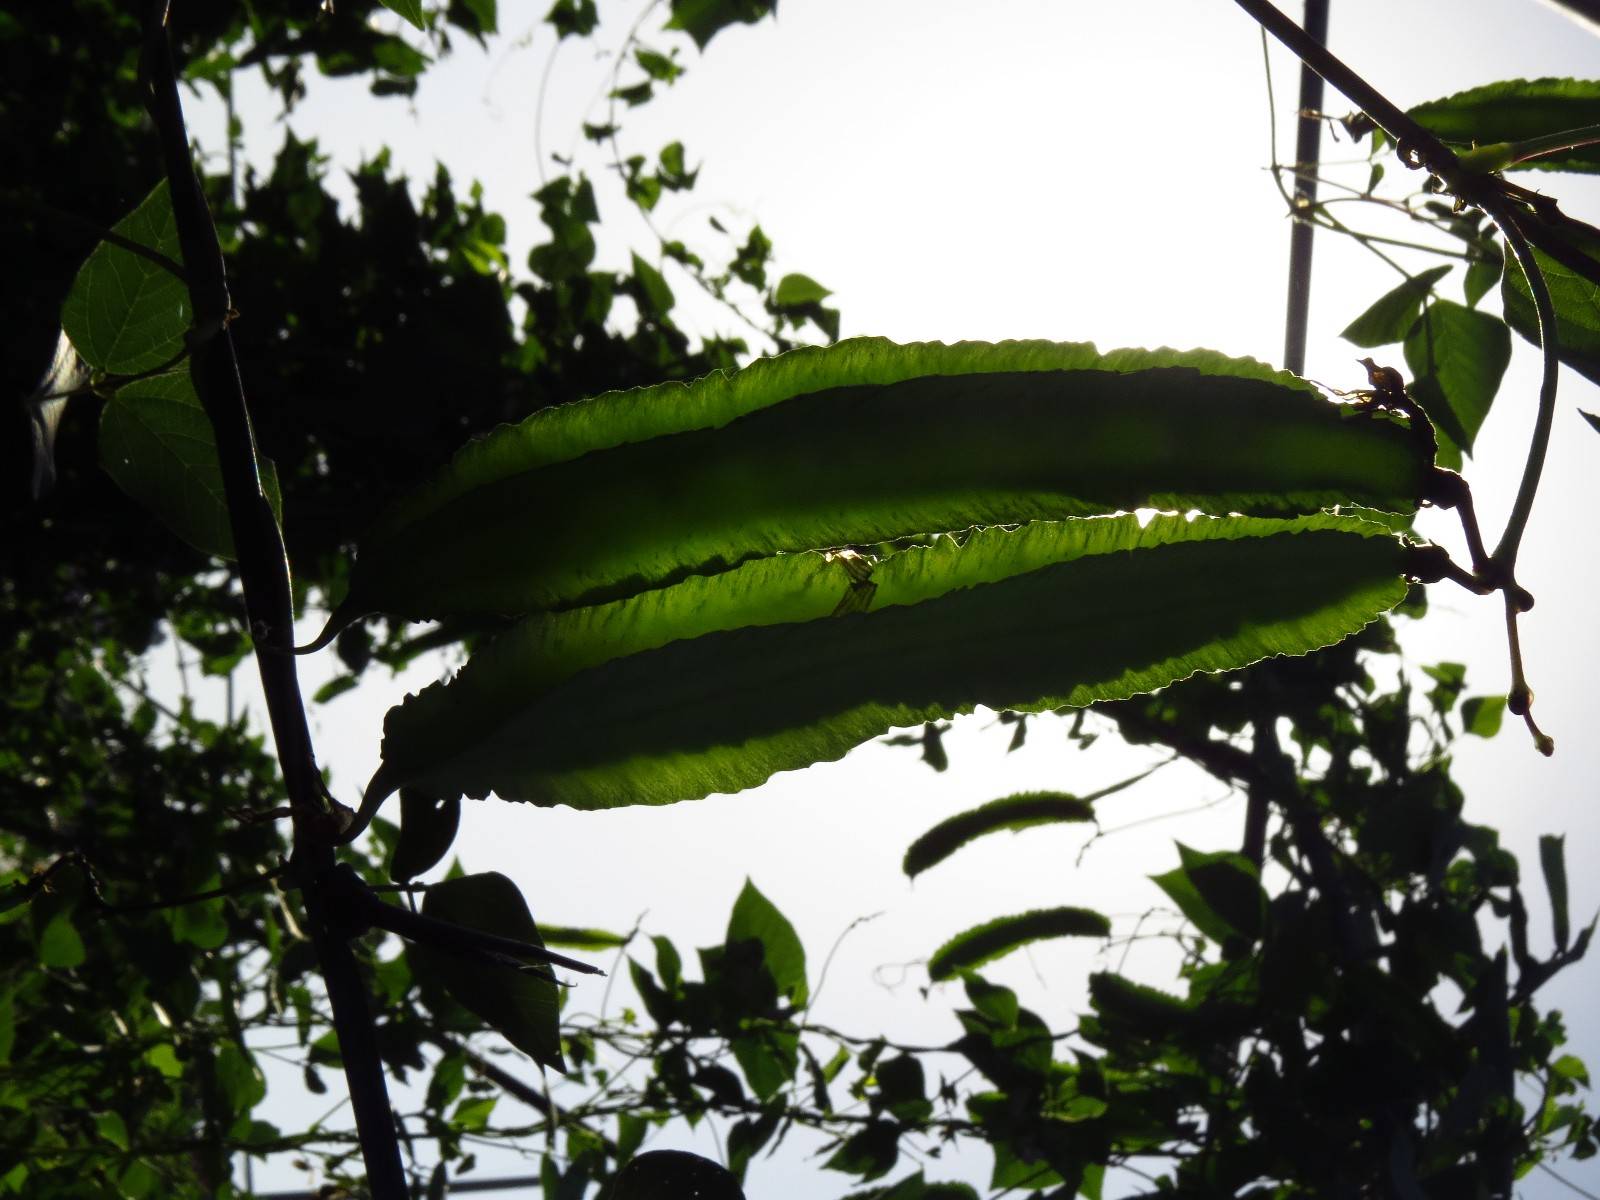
column 620, row 167
column 39, row 881
column 1362, row 240
column 1170, row 815
column 822, row 975
column 1418, row 146
column 85, row 225
column 538, row 112
column 228, row 889
column 107, row 384
column 1567, row 1183
column 1369, row 239
column 1519, row 699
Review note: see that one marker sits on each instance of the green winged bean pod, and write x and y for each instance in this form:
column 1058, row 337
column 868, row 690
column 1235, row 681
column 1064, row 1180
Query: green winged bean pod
column 859, row 443
column 716, row 683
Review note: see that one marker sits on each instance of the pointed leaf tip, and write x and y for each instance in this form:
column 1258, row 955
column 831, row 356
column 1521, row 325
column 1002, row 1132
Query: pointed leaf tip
column 755, row 917
column 521, row 1006
column 410, row 10
column 1219, row 892
column 428, row 826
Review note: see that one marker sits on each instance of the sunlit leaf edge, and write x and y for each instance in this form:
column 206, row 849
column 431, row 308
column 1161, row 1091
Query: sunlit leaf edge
column 1506, row 111
column 936, row 448
column 568, row 431
column 522, row 721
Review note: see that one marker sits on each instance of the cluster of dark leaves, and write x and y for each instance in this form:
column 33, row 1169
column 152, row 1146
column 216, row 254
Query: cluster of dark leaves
column 1356, row 1031
column 124, row 1067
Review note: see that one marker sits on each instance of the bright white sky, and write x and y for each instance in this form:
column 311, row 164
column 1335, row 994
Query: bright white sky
column 1073, row 171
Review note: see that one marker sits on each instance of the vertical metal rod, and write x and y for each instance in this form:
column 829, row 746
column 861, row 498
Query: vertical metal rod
column 1307, row 151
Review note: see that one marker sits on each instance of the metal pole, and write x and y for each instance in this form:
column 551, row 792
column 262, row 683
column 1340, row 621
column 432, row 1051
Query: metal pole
column 1307, row 150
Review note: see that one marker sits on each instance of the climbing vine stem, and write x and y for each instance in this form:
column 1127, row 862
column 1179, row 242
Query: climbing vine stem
column 264, row 577
column 1504, row 559
column 1500, row 211
column 1419, row 148
column 1428, row 150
